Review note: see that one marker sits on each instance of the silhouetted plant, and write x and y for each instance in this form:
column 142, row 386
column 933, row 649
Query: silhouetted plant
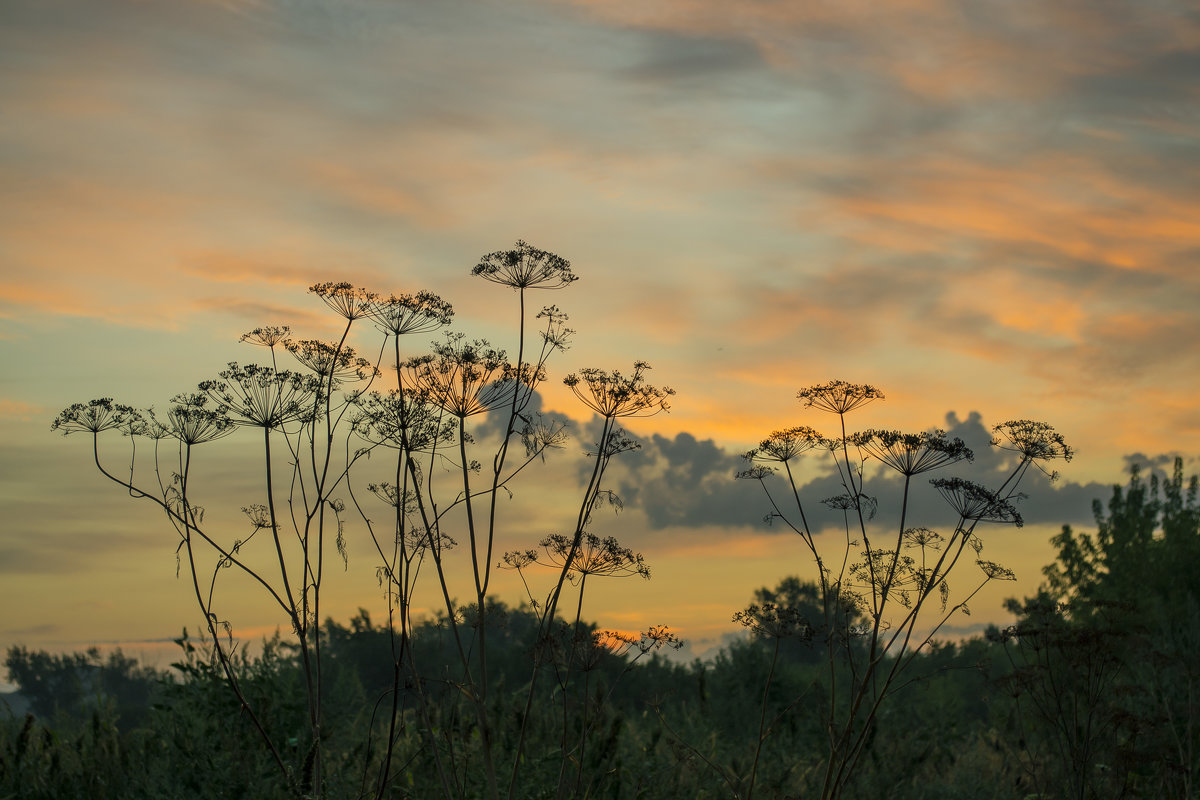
column 889, row 578
column 612, row 396
column 525, row 267
column 580, row 558
column 773, row 623
column 316, row 425
column 426, row 421
column 295, row 412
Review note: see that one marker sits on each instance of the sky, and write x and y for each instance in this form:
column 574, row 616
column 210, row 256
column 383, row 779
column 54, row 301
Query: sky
column 989, row 210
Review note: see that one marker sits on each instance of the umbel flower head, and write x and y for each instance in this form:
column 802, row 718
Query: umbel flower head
column 463, row 378
column 923, row 538
column 390, row 495
column 612, row 395
column 556, row 335
column 859, row 502
column 785, row 445
column 1035, row 441
column 330, row 361
column 996, row 572
column 400, row 417
column 95, row 416
column 191, row 422
column 525, row 267
column 540, row 433
column 594, row 556
column 407, row 313
column 267, row 336
column 838, row 397
column 913, row 453
column 261, row 396
column 976, row 503
column 344, row 298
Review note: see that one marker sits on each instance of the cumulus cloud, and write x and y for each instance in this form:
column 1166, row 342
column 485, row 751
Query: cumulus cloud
column 681, row 481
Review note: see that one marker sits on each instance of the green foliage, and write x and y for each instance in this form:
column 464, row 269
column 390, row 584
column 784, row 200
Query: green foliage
column 1148, row 533
column 1106, row 660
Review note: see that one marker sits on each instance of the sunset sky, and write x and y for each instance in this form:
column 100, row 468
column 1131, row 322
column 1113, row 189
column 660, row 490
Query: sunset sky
column 989, row 210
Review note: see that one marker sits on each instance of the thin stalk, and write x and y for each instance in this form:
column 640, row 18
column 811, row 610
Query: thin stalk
column 551, row 608
column 762, row 720
column 226, row 667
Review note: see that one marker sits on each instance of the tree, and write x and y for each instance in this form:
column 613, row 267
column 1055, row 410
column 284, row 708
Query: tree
column 1111, row 646
column 1141, row 548
column 76, row 683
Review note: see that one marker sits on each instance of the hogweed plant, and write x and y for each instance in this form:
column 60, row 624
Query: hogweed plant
column 611, row 396
column 575, row 648
column 319, row 423
column 290, row 532
column 893, row 579
column 427, row 420
column 462, row 380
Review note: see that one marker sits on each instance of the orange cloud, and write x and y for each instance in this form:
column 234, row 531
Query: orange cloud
column 296, row 268
column 20, row 410
column 1021, row 303
column 383, row 194
column 1069, row 205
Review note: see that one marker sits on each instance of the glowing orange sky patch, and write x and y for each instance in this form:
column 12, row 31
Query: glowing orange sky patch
column 380, row 196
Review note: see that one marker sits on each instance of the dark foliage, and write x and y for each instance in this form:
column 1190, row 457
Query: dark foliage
column 1105, row 674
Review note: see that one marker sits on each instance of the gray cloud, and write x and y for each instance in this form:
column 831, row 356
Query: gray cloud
column 494, row 423
column 683, row 481
column 1152, row 84
column 699, row 63
column 686, row 482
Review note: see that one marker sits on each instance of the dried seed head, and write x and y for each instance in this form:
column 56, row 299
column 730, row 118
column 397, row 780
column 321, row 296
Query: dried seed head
column 344, row 298
column 976, row 503
column 95, row 416
column 838, row 397
column 406, row 313
column 525, row 267
column 1035, row 441
column 785, row 445
column 612, row 395
column 913, row 453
